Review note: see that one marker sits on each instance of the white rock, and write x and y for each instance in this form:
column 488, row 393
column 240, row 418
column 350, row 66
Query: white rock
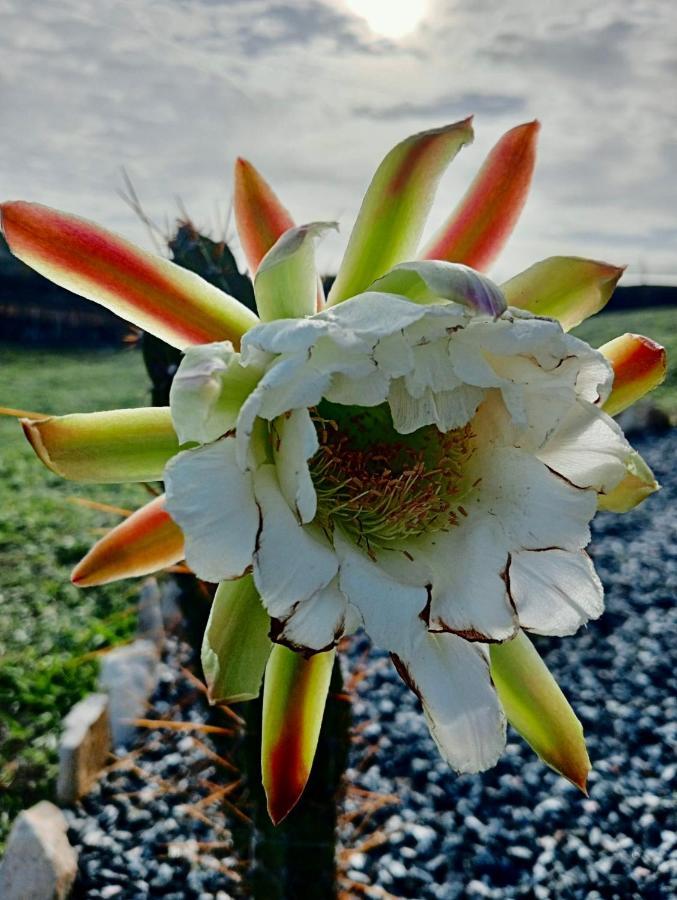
column 129, row 675
column 39, row 863
column 150, row 621
column 83, row 748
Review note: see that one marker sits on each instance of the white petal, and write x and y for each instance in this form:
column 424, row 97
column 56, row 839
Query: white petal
column 536, row 398
column 532, row 336
column 294, row 441
column 372, row 315
column 212, row 502
column 316, row 623
column 596, row 376
column 291, row 383
column 555, row 591
column 393, row 355
column 432, row 368
column 370, row 390
column 208, row 390
column 328, row 356
column 536, row 507
column 465, row 717
column 450, row 675
column 283, row 336
column 440, row 321
column 291, row 561
column 387, row 605
column 446, row 409
column 588, row 449
column 469, row 594
column 468, row 360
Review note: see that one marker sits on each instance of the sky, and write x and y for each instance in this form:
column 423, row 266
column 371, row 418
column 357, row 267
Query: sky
column 315, row 94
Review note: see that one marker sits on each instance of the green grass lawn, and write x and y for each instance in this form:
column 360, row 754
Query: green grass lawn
column 49, row 630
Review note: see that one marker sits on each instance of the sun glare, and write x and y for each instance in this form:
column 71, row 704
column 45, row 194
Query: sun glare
column 390, row 18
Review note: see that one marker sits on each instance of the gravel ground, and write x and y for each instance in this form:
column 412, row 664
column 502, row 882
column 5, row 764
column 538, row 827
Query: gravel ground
column 149, row 828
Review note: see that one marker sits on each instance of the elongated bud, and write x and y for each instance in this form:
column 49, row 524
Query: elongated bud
column 260, row 217
column 294, row 697
column 483, row 221
column 145, row 542
column 537, row 708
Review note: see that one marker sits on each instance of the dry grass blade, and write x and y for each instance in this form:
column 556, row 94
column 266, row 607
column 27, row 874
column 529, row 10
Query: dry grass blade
column 178, row 726
column 100, row 507
column 20, row 413
column 219, row 793
column 214, row 757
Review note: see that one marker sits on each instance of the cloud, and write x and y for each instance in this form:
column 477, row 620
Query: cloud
column 445, row 107
column 175, row 89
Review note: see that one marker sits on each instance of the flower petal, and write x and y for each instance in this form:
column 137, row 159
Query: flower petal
column 294, row 697
column 291, row 561
column 451, row 678
column 537, row 708
column 108, row 447
column 445, row 409
column 480, row 225
column 294, row 442
column 448, row 674
column 428, row 281
column 169, row 301
column 387, row 604
column 213, row 503
column 637, row 484
column 555, row 591
column 236, row 646
column 521, row 493
column 639, row 365
column 316, row 624
column 286, row 282
column 566, row 288
column 208, row 390
column 259, row 216
column 469, row 593
column 395, row 207
column 144, row 542
column 588, row 449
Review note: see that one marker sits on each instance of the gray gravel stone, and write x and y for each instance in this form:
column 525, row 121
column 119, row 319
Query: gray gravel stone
column 39, row 863
column 517, row 831
column 83, row 748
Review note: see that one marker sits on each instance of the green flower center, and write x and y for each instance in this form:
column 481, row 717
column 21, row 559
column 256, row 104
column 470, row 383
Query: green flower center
column 380, row 486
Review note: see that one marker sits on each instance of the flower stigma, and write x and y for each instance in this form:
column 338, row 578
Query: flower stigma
column 382, row 487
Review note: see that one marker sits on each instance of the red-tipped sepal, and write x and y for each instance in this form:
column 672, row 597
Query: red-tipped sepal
column 145, row 542
column 537, row 708
column 259, row 216
column 294, row 697
column 394, row 210
column 108, row 447
column 482, row 222
column 639, row 365
column 165, row 299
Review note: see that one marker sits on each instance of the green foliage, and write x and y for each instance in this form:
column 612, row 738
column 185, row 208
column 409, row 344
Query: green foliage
column 50, row 631
column 658, row 323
